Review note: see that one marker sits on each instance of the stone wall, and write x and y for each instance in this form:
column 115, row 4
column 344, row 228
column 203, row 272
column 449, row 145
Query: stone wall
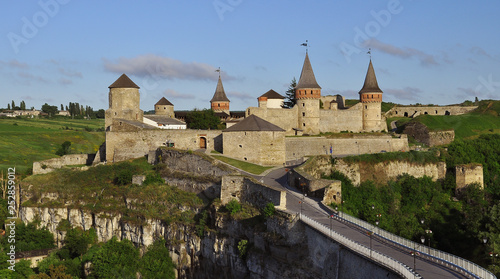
column 126, row 145
column 469, row 174
column 431, row 138
column 283, row 118
column 413, row 111
column 298, row 147
column 330, row 191
column 335, row 121
column 66, row 160
column 380, row 172
column 248, row 190
column 259, row 147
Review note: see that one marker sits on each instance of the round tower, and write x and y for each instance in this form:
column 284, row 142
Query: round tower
column 124, row 102
column 220, row 102
column 308, row 95
column 164, row 107
column 371, row 98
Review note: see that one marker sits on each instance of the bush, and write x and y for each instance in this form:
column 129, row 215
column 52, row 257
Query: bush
column 243, row 246
column 154, row 178
column 269, row 210
column 64, row 149
column 233, row 206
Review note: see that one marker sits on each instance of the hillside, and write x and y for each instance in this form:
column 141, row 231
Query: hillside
column 27, row 140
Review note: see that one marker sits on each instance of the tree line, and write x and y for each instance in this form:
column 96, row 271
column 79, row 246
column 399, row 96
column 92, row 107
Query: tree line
column 74, row 109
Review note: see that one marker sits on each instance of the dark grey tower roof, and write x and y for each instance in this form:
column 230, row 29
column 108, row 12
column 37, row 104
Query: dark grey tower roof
column 253, row 123
column 123, row 82
column 307, row 78
column 371, row 85
column 271, row 94
column 163, row 102
column 220, row 95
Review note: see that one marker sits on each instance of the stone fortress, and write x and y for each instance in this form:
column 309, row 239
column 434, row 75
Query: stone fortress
column 267, row 135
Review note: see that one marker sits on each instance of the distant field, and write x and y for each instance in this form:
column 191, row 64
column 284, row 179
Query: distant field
column 25, row 140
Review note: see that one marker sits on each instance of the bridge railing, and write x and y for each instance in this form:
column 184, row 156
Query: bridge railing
column 447, row 259
column 389, row 262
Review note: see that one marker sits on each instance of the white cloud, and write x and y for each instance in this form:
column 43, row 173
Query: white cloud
column 163, row 67
column 407, row 93
column 424, row 58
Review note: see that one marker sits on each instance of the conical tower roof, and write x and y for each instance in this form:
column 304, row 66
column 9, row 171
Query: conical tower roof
column 307, row 78
column 371, row 85
column 220, row 95
column 163, row 102
column 123, row 82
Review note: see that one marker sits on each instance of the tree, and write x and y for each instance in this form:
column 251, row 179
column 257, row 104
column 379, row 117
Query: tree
column 115, row 259
column 23, row 105
column 62, row 107
column 51, row 110
column 13, row 106
column 64, row 149
column 156, row 262
column 77, row 241
column 8, row 106
column 203, row 119
column 55, row 272
column 290, row 95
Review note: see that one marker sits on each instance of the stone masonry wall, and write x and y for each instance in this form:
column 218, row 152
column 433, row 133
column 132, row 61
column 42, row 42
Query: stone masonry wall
column 431, row 138
column 126, row 145
column 283, row 118
column 298, row 147
column 245, row 189
column 259, row 147
column 469, row 174
column 57, row 163
column 336, row 121
column 412, row 111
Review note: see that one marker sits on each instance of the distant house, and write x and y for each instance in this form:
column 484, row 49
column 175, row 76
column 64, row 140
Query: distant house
column 164, row 122
column 64, row 113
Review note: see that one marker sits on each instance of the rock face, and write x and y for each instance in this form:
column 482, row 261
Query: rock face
column 283, row 247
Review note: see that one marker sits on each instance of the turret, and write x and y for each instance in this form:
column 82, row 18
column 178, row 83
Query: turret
column 164, row 107
column 308, row 95
column 371, row 98
column 220, row 102
column 124, row 102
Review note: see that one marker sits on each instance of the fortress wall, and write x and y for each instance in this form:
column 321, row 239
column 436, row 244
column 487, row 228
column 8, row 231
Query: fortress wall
column 468, row 174
column 287, row 119
column 418, row 110
column 245, row 189
column 57, row 163
column 336, row 121
column 298, row 147
column 259, row 147
column 126, row 145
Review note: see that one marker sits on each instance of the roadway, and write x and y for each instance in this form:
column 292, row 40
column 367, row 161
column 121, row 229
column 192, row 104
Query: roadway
column 311, row 207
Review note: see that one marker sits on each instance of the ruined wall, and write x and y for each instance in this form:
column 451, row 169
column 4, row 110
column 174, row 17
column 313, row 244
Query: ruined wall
column 469, row 174
column 335, row 121
column 126, row 145
column 283, row 118
column 259, row 147
column 413, row 111
column 326, row 189
column 431, row 138
column 298, row 147
column 381, row 172
column 57, row 163
column 247, row 190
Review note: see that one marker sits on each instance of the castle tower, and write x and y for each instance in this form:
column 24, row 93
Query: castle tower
column 371, row 98
column 124, row 102
column 164, row 107
column 308, row 95
column 220, row 102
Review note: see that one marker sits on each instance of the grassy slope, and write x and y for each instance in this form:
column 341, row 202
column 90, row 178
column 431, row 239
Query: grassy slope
column 26, row 140
column 248, row 167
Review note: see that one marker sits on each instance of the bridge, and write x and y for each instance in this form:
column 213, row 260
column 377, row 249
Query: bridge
column 406, row 258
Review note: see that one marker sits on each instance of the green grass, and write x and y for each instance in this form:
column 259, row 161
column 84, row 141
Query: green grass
column 248, row 167
column 465, row 126
column 26, row 140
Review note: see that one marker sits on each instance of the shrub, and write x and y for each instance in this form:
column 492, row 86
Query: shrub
column 154, row 178
column 233, row 206
column 269, row 210
column 243, row 246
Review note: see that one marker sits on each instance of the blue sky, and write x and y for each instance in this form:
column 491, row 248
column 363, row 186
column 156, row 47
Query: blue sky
column 429, row 52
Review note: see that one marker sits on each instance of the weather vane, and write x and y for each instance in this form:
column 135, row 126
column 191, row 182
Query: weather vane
column 305, row 44
column 369, row 53
column 218, row 70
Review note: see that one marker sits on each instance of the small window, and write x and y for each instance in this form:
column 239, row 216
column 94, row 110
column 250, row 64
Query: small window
column 303, row 114
column 240, row 146
column 218, row 105
column 303, row 124
column 303, row 104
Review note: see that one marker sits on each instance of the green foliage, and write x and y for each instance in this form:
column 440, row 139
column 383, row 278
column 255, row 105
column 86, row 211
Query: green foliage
column 233, row 207
column 51, row 110
column 29, row 237
column 153, row 178
column 115, row 259
column 412, row 156
column 246, row 166
column 243, row 247
column 269, row 210
column 77, row 242
column 55, row 272
column 4, row 213
column 156, row 262
column 203, row 119
column 290, row 100
column 124, row 175
column 64, row 149
column 202, row 223
column 23, row 270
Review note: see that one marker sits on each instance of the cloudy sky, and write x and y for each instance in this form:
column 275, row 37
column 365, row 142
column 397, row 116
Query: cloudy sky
column 430, row 52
